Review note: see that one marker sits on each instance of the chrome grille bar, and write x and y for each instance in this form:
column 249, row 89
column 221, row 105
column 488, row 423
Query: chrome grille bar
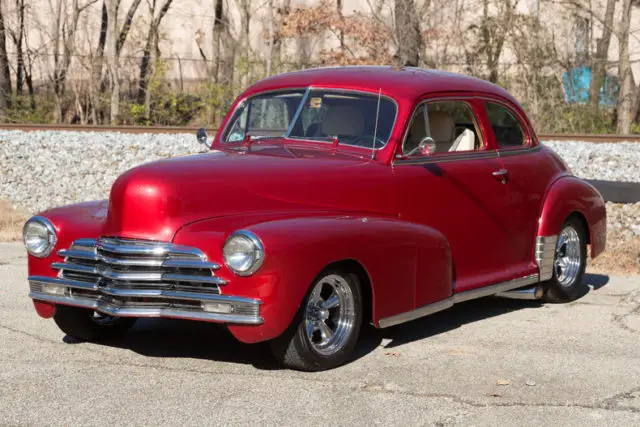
column 137, row 278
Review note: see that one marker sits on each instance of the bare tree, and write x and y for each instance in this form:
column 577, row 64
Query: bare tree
column 598, row 70
column 18, row 37
column 150, row 53
column 5, row 73
column 408, row 37
column 245, row 48
column 270, row 36
column 111, row 42
column 64, row 37
column 626, row 101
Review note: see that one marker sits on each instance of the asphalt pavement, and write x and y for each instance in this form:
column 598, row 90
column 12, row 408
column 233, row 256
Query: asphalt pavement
column 485, row 362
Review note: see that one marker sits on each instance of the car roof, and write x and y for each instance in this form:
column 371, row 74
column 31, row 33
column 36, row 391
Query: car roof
column 398, row 82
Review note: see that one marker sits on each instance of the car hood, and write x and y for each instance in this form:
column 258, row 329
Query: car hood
column 154, row 200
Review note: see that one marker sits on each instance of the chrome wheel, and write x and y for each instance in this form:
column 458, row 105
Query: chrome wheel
column 568, row 256
column 330, row 315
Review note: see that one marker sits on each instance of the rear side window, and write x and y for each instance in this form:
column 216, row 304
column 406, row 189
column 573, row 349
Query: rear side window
column 507, row 128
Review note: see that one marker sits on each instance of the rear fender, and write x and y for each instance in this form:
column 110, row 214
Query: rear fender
column 570, row 195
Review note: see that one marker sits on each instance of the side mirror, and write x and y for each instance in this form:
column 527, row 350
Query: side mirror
column 201, row 135
column 427, row 146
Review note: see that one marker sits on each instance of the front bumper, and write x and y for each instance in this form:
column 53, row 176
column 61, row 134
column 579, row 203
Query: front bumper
column 146, row 302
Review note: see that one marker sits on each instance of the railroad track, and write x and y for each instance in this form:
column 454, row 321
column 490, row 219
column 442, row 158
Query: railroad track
column 191, row 129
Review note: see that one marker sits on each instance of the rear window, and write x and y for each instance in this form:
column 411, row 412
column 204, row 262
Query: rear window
column 507, row 128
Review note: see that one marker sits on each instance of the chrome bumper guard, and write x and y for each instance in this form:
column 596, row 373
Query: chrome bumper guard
column 146, row 302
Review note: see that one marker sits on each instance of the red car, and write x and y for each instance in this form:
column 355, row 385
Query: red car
column 330, row 198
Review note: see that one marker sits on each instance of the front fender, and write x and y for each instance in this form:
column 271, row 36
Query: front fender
column 71, row 222
column 569, row 195
column 408, row 265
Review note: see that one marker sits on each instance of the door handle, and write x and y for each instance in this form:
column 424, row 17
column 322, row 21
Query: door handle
column 501, row 175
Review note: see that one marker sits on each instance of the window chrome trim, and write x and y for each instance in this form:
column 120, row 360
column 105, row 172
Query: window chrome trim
column 465, row 99
column 447, row 158
column 529, row 131
column 458, row 298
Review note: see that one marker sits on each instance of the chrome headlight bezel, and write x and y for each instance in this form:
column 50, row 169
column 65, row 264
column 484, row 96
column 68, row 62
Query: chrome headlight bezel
column 257, row 252
column 51, row 237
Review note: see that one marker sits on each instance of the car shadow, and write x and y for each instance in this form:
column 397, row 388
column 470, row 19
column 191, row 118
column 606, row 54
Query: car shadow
column 209, row 341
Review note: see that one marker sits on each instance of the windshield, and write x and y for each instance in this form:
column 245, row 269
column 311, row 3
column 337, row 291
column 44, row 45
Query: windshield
column 325, row 115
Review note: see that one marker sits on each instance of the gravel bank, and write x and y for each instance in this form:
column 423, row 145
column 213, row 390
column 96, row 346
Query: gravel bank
column 45, row 169
column 608, row 162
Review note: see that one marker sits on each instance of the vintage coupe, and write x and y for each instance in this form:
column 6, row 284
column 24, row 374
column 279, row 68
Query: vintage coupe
column 330, row 198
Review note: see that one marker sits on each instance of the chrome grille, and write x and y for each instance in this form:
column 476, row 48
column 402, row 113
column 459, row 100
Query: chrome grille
column 139, row 265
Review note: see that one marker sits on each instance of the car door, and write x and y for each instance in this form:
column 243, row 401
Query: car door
column 528, row 173
column 452, row 184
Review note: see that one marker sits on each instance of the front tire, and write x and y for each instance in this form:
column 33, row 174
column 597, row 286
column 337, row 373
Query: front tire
column 88, row 325
column 326, row 329
column 569, row 264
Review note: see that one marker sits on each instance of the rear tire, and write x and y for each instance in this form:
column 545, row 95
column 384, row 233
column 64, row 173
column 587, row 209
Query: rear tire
column 569, row 264
column 325, row 331
column 88, row 325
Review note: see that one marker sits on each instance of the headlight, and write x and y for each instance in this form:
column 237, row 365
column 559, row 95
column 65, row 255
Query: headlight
column 39, row 236
column 243, row 253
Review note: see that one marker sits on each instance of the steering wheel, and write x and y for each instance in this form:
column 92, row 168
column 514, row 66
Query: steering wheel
column 368, row 139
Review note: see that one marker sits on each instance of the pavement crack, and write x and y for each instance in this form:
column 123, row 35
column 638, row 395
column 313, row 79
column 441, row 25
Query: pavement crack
column 30, row 335
column 609, row 404
column 619, row 320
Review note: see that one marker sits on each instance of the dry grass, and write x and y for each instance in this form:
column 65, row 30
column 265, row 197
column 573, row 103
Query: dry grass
column 11, row 222
column 621, row 257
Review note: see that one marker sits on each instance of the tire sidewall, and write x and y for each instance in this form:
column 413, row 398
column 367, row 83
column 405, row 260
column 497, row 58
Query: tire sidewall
column 557, row 292
column 301, row 340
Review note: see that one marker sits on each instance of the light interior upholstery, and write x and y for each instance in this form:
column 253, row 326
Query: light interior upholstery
column 343, row 120
column 443, row 129
column 464, row 142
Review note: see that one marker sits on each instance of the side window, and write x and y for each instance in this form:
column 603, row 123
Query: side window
column 445, row 126
column 507, row 128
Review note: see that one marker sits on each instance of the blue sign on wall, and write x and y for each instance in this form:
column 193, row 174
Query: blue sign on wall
column 576, row 87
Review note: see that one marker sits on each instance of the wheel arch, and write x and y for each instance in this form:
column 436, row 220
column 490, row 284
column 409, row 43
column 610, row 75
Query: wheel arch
column 568, row 197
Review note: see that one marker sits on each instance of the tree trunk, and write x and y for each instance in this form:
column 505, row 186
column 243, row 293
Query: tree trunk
column 5, row 73
column 126, row 26
column 245, row 20
column 111, row 42
column 407, row 28
column 270, row 6
column 98, row 81
column 598, row 70
column 19, row 51
column 626, row 95
column 150, row 48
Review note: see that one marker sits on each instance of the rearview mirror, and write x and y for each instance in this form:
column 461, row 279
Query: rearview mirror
column 201, row 135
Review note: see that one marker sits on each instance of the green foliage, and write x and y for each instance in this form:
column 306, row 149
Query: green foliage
column 573, row 118
column 24, row 110
column 635, row 128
